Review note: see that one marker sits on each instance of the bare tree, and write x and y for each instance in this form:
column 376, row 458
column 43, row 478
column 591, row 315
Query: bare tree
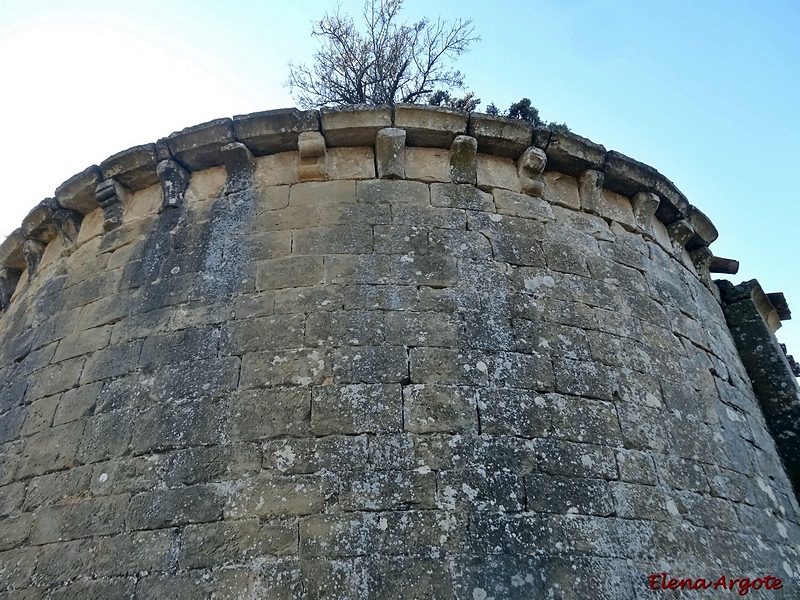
column 391, row 63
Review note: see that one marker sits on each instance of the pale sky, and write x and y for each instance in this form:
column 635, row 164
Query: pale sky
column 706, row 92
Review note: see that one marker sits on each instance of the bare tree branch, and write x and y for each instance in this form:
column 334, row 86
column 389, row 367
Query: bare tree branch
column 393, row 62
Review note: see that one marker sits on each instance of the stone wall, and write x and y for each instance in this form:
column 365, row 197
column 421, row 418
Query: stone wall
column 376, row 353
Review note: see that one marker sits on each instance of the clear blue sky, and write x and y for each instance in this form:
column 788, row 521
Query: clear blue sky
column 707, row 92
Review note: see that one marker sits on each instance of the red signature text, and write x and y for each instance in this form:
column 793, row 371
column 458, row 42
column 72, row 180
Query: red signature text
column 742, row 585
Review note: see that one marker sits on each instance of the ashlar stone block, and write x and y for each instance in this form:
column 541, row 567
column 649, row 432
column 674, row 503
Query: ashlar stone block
column 428, row 164
column 355, row 409
column 439, row 408
column 179, row 506
column 497, row 172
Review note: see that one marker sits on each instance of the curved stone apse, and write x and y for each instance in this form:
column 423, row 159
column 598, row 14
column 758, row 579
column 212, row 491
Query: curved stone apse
column 387, row 353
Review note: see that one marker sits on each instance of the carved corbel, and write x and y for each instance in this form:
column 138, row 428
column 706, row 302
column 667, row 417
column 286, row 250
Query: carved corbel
column 590, row 190
column 645, row 205
column 110, row 195
column 239, row 165
column 174, row 183
column 9, row 278
column 313, row 156
column 530, row 167
column 33, row 251
column 68, row 223
column 680, row 232
column 464, row 160
column 390, row 153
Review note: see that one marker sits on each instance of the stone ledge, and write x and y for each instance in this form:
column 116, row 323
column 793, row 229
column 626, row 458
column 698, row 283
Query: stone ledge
column 200, row 146
column 572, row 154
column 78, row 192
column 430, row 126
column 429, row 131
column 354, row 125
column 274, row 131
column 503, row 137
column 135, row 168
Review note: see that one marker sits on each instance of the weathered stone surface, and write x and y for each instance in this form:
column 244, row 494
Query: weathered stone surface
column 239, row 165
column 572, row 154
column 519, row 205
column 33, row 251
column 301, row 389
column 351, row 163
column 453, row 195
column 174, row 183
column 390, row 155
column 163, row 508
column 626, row 176
column 429, row 126
column 645, row 205
column 674, row 204
column 499, row 136
column 496, row 172
column 135, row 168
column 8, row 284
column 354, row 125
column 704, row 231
column 274, row 131
column 428, row 164
column 11, row 254
column 38, row 224
column 200, row 147
column 463, row 160
column 559, row 189
column 78, row 192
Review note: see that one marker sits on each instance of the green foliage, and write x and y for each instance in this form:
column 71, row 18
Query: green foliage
column 468, row 103
column 558, row 127
column 524, row 111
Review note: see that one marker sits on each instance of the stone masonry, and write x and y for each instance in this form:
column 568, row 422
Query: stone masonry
column 378, row 353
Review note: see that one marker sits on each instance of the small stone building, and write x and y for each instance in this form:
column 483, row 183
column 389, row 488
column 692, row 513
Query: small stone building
column 386, row 353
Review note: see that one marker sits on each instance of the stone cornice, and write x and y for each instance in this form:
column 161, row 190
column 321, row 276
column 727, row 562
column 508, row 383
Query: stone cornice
column 536, row 151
